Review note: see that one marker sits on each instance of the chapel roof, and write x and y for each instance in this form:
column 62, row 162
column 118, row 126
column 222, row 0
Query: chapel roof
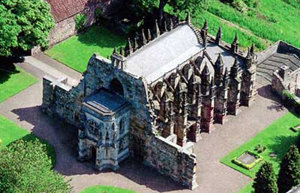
column 164, row 53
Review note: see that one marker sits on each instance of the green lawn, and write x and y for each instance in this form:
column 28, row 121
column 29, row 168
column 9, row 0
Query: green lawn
column 276, row 138
column 13, row 82
column 10, row 132
column 105, row 189
column 76, row 51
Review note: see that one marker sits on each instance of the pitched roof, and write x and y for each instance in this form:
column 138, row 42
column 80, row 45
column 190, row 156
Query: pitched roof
column 164, row 53
column 63, row 9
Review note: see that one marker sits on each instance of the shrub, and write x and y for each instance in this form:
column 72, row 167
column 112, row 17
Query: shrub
column 265, row 180
column 80, row 22
column 289, row 174
column 98, row 13
column 25, row 168
column 259, row 148
column 248, row 166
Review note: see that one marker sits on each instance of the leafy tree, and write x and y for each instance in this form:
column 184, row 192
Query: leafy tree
column 177, row 5
column 289, row 174
column 23, row 25
column 265, row 180
column 9, row 30
column 25, row 168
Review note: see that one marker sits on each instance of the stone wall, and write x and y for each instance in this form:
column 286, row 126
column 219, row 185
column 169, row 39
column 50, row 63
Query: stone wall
column 291, row 82
column 171, row 160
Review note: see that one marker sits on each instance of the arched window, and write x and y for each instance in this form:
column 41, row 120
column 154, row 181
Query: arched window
column 116, row 86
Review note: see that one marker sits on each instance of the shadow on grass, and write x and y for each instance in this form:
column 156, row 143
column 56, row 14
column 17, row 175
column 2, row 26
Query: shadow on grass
column 281, row 145
column 7, row 68
column 102, row 37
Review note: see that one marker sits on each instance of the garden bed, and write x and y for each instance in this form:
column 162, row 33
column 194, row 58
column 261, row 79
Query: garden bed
column 248, row 160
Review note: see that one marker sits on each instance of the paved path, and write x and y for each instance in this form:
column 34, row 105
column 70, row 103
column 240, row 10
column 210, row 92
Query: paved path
column 41, row 65
column 213, row 177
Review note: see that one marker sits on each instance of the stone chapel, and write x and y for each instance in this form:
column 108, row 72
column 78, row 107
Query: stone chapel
column 152, row 99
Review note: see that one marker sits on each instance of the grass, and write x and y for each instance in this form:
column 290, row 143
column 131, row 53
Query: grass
column 270, row 21
column 105, row 189
column 276, row 138
column 76, row 51
column 10, row 132
column 13, row 82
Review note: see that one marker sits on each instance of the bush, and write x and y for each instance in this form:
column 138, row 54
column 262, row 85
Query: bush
column 25, row 168
column 248, row 166
column 80, row 22
column 259, row 148
column 290, row 100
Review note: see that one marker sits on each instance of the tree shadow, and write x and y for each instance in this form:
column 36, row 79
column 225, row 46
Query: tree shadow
column 281, row 145
column 7, row 67
column 63, row 137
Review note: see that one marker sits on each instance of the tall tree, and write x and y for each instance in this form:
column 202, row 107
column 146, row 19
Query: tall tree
column 289, row 174
column 265, row 180
column 29, row 21
column 177, row 5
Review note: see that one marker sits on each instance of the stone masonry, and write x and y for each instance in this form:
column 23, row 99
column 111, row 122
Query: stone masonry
column 154, row 97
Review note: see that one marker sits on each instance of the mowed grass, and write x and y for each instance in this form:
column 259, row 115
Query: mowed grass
column 105, row 189
column 76, row 51
column 13, row 82
column 277, row 138
column 10, row 132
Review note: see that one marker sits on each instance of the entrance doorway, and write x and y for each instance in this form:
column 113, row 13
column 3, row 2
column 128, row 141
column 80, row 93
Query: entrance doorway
column 93, row 154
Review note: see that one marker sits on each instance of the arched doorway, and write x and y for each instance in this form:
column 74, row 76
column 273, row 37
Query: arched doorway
column 116, row 87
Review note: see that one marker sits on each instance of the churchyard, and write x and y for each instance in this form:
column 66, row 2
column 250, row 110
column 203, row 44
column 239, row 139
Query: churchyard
column 263, row 132
column 271, row 144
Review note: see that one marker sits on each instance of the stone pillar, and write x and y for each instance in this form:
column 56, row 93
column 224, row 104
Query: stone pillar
column 221, row 100
column 194, row 132
column 248, row 89
column 234, row 90
column 170, row 122
column 182, row 116
column 82, row 146
column 207, row 116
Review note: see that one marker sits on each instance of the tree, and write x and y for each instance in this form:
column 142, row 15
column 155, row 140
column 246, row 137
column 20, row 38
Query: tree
column 265, row 180
column 289, row 174
column 177, row 5
column 25, row 168
column 23, row 25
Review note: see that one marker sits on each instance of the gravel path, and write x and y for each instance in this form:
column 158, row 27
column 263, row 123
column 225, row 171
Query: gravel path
column 213, row 177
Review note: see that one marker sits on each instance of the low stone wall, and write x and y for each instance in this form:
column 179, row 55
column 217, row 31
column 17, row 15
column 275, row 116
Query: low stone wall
column 171, row 160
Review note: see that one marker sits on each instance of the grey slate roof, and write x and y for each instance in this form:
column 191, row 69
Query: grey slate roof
column 213, row 51
column 164, row 53
column 105, row 102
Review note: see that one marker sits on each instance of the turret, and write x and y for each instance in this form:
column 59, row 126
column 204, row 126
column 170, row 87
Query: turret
column 234, row 69
column 128, row 48
column 235, row 44
column 144, row 40
column 219, row 36
column 157, row 31
column 219, row 67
